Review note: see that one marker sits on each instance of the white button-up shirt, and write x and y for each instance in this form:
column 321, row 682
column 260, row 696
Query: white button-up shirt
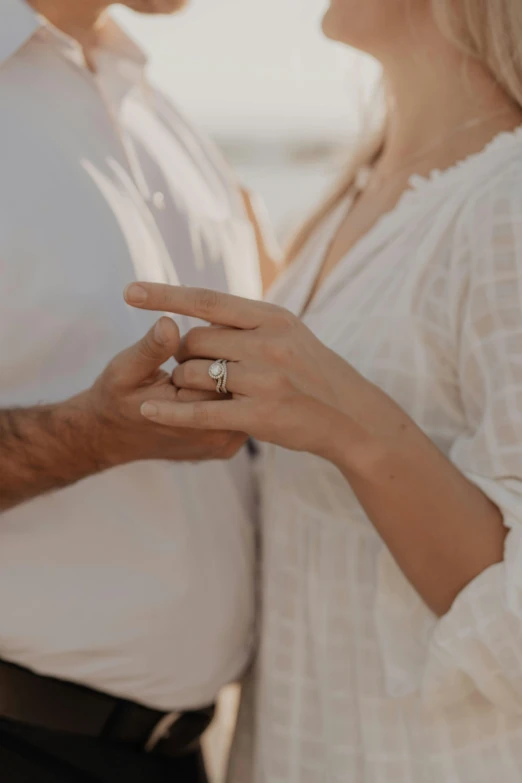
column 138, row 581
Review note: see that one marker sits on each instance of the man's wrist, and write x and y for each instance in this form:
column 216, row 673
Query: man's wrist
column 83, row 431
column 47, row 448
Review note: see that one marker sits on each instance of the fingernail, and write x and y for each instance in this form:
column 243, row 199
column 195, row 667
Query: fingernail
column 149, row 410
column 135, row 294
column 160, row 332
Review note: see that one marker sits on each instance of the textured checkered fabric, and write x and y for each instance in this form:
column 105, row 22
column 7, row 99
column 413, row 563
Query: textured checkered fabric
column 356, row 680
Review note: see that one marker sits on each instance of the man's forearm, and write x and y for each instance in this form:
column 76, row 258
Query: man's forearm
column 44, row 448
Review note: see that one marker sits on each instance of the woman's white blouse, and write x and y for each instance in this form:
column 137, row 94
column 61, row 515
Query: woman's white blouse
column 356, row 680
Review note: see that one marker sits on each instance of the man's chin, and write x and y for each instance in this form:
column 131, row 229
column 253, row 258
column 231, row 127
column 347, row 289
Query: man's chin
column 155, row 6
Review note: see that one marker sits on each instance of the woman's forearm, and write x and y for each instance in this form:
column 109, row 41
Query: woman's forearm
column 441, row 528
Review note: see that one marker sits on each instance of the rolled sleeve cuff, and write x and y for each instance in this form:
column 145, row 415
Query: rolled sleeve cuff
column 476, row 648
column 477, row 645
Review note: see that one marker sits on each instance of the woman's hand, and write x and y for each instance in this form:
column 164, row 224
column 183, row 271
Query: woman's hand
column 286, row 387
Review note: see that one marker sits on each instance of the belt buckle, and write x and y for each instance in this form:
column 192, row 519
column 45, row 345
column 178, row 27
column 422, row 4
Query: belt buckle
column 161, row 730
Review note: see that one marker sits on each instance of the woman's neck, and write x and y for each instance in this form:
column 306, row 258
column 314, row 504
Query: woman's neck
column 81, row 20
column 436, row 93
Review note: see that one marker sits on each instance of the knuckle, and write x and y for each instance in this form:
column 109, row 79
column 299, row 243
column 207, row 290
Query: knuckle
column 220, row 440
column 193, row 340
column 229, row 446
column 284, row 321
column 190, row 373
column 272, row 310
column 200, row 415
column 207, row 302
column 279, row 382
column 178, row 376
column 113, row 375
column 268, row 411
column 148, row 349
column 183, row 394
column 165, row 296
column 279, row 350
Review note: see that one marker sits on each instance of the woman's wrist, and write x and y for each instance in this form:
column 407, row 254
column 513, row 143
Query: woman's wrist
column 341, row 440
column 363, row 443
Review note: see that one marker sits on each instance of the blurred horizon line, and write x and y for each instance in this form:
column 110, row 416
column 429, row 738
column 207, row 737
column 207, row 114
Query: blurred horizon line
column 286, row 149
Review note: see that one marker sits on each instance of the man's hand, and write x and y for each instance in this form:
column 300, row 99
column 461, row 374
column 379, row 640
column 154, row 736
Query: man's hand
column 49, row 447
column 121, row 434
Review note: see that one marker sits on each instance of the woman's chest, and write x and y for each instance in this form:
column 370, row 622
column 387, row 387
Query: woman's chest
column 360, row 212
column 390, row 310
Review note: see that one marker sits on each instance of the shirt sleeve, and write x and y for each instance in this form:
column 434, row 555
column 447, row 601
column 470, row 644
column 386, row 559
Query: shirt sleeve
column 477, row 645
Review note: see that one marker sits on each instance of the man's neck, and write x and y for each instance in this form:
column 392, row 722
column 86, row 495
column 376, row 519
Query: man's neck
column 81, row 20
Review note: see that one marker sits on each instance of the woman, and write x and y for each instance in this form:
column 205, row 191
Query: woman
column 386, row 377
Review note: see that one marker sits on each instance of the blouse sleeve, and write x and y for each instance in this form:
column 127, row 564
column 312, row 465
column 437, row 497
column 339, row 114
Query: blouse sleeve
column 477, row 645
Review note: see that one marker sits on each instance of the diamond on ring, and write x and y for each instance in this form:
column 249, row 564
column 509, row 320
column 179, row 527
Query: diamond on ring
column 218, row 372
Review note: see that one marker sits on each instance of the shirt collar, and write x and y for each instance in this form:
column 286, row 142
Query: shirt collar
column 119, row 55
column 18, row 23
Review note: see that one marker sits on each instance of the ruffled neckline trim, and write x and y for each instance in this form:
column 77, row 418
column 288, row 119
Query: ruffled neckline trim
column 419, row 190
column 418, row 183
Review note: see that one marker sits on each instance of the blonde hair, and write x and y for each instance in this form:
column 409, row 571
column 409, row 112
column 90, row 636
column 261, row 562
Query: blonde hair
column 489, row 31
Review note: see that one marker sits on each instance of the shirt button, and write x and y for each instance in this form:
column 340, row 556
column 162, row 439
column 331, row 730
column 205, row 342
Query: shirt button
column 158, row 199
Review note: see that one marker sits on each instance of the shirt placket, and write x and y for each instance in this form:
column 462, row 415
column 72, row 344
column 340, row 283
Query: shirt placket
column 149, row 200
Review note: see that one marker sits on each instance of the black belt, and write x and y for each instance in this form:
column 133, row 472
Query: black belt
column 64, row 707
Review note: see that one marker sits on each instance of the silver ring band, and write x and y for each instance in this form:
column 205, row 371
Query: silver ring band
column 219, row 373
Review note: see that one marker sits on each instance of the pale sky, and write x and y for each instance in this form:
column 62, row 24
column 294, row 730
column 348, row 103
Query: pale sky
column 254, row 67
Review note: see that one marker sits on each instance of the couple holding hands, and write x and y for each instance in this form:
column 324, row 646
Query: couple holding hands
column 381, row 378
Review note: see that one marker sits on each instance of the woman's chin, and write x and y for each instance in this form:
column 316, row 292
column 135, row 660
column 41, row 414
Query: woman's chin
column 155, row 6
column 330, row 25
column 326, row 24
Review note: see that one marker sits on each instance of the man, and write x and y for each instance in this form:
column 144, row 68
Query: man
column 125, row 571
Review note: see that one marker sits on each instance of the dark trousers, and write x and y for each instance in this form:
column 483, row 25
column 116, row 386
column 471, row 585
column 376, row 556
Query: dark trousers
column 29, row 755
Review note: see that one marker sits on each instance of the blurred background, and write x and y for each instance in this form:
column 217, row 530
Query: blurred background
column 284, row 104
column 258, row 75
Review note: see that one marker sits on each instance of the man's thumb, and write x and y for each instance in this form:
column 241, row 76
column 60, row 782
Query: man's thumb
column 145, row 357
